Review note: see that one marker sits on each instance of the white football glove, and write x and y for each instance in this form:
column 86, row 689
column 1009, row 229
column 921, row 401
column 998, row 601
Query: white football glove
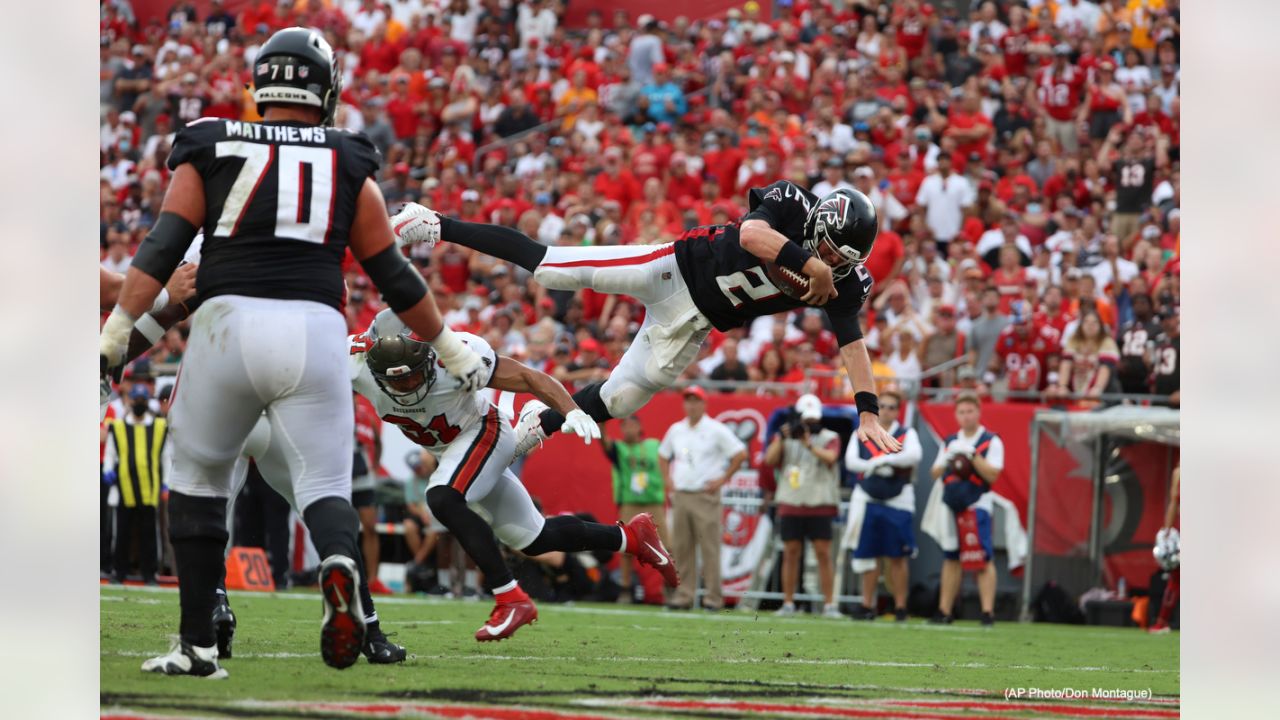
column 416, row 224
column 460, row 360
column 581, row 424
column 961, row 447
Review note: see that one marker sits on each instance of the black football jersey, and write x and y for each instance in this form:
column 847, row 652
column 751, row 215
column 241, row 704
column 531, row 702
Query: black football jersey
column 1167, row 364
column 280, row 198
column 1134, row 181
column 729, row 285
column 1136, row 341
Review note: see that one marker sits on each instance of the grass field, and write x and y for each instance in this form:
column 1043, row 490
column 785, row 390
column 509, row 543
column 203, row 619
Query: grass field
column 597, row 661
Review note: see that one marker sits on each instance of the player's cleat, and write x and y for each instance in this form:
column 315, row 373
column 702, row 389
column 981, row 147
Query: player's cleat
column 416, row 224
column 900, row 615
column 224, row 627
column 506, row 618
column 940, row 619
column 1159, row 628
column 833, row 612
column 381, row 651
column 529, row 434
column 787, row 610
column 342, row 633
column 184, row 658
column 862, row 612
column 988, row 620
column 377, row 587
column 649, row 549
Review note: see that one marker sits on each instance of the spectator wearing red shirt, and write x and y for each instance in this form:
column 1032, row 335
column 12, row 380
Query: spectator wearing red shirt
column 1009, row 278
column 680, row 182
column 1059, row 89
column 1014, row 42
column 1026, row 353
column 914, row 20
column 885, row 262
column 665, row 212
column 616, row 183
column 823, row 340
column 721, row 159
column 970, row 129
column 1053, row 311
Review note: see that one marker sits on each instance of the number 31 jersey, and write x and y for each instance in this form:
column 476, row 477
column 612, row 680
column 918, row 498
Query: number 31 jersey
column 729, row 284
column 280, row 198
column 443, row 414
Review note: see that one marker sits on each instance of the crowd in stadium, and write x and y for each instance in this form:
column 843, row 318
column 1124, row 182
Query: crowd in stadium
column 1023, row 159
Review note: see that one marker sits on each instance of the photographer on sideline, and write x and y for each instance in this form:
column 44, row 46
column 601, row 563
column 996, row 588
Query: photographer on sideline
column 807, row 496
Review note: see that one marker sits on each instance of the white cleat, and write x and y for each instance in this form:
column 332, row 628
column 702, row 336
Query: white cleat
column 529, row 434
column 832, row 612
column 184, row 658
column 416, row 224
column 787, row 610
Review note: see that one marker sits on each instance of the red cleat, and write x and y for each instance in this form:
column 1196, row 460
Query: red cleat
column 506, row 618
column 342, row 633
column 648, row 548
column 376, row 587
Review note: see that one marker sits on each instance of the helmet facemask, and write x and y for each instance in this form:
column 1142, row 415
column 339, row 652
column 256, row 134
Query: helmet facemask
column 403, row 367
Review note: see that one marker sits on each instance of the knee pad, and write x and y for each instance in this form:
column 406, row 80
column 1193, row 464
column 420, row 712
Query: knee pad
column 623, row 398
column 197, row 518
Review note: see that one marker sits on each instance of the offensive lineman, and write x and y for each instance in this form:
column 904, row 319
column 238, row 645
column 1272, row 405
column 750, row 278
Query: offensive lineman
column 713, row 276
column 278, row 200
column 472, row 491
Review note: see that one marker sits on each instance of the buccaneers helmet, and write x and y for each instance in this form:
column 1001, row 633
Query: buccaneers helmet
column 844, row 220
column 297, row 66
column 403, row 366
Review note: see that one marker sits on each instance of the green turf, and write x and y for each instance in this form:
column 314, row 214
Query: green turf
column 610, row 652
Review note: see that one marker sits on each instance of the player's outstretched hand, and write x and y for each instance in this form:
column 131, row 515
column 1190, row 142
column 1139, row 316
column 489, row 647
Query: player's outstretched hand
column 581, row 424
column 870, row 431
column 416, row 224
column 822, row 285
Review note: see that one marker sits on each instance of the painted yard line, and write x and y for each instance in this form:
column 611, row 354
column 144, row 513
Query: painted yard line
column 699, row 661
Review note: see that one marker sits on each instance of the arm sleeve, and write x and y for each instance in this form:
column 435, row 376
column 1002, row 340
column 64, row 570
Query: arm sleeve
column 995, row 453
column 843, row 311
column 941, row 458
column 911, row 451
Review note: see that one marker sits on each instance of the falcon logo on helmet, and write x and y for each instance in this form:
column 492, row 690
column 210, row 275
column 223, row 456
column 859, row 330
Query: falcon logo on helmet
column 403, row 366
column 845, row 222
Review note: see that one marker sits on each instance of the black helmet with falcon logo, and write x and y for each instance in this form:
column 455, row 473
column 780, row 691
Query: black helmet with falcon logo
column 845, row 221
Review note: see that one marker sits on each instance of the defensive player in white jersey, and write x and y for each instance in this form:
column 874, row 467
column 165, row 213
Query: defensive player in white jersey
column 472, row 491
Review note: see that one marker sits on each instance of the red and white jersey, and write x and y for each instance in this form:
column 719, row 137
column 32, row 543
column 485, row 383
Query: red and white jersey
column 1060, row 93
column 443, row 414
column 1027, row 359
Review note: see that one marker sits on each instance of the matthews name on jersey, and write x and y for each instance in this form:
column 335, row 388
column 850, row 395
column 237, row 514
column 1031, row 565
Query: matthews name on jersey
column 729, row 284
column 444, row 413
column 280, row 198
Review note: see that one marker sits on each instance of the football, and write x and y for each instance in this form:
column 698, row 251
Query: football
column 790, row 282
column 962, row 466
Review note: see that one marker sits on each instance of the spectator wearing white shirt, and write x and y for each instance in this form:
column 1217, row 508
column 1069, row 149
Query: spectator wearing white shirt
column 536, row 20
column 925, row 146
column 888, row 209
column 1135, row 78
column 944, row 195
column 967, row 466
column 1007, row 234
column 698, row 455
column 832, row 178
column 1077, row 17
column 118, row 258
column 368, row 18
column 1112, row 267
column 988, row 29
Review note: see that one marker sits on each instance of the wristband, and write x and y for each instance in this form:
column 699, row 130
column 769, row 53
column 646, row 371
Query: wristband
column 793, row 257
column 867, row 402
column 448, row 346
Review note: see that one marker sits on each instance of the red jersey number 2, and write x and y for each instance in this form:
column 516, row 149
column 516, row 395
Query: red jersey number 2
column 437, row 432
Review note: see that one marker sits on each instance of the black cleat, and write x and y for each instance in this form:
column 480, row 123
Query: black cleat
column 940, row 619
column 862, row 612
column 224, row 626
column 988, row 620
column 378, row 650
column 342, row 633
column 186, row 659
column 900, row 615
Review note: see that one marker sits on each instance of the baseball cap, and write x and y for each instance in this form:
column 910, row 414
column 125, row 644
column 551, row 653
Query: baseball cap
column 1062, row 49
column 809, row 407
column 470, row 196
column 864, row 171
column 695, row 391
column 947, row 310
column 590, row 345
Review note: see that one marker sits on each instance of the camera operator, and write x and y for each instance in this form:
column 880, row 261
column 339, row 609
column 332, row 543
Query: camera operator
column 808, row 492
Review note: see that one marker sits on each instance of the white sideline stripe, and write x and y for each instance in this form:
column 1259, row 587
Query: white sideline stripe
column 691, row 661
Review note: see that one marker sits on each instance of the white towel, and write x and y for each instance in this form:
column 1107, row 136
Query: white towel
column 853, row 529
column 939, row 523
